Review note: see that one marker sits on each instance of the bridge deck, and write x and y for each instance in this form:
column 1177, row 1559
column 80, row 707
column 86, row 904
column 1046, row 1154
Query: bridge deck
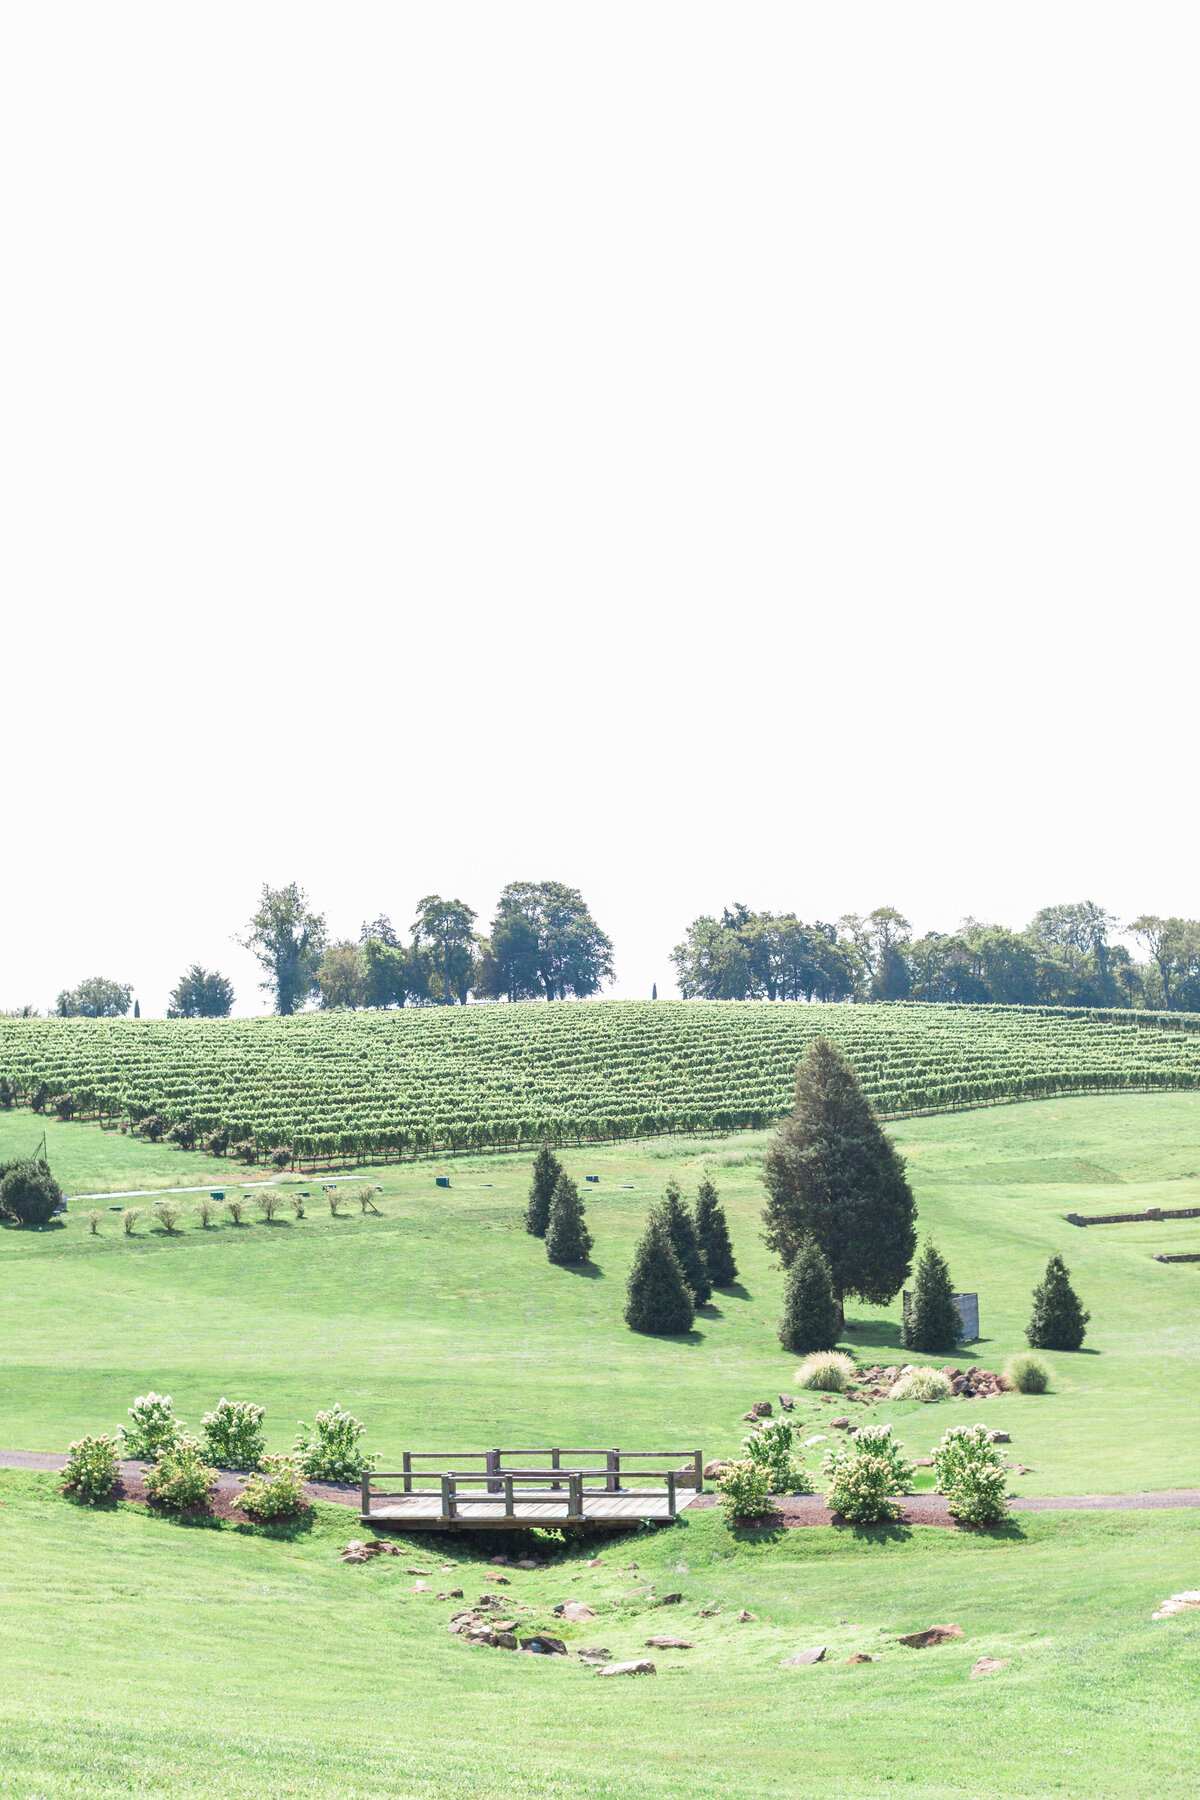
column 424, row 1513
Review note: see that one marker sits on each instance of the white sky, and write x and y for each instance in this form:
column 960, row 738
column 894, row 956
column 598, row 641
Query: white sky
column 696, row 453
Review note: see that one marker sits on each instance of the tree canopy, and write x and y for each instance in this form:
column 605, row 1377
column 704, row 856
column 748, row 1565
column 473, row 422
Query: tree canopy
column 95, row 998
column 444, row 939
column 544, row 944
column 288, row 939
column 832, row 1173
column 201, row 994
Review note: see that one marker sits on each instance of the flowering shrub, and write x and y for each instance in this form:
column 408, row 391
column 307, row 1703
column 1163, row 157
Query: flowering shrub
column 181, row 1477
column 329, row 1451
column 827, row 1370
column 865, row 1474
column 155, row 1428
column 232, row 1434
column 277, row 1491
column 928, row 1385
column 772, row 1448
column 744, row 1490
column 92, row 1468
column 970, row 1472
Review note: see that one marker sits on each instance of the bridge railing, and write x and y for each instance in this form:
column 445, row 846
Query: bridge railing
column 554, row 1483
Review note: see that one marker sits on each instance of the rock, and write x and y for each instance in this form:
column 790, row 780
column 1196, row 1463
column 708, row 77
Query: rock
column 594, row 1653
column 747, row 1618
column 753, row 1417
column 761, row 1409
column 922, row 1462
column 986, row 1665
column 860, row 1656
column 959, row 1384
column 708, row 1612
column 497, row 1559
column 713, row 1469
column 1022, row 1470
column 409, row 1571
column 380, row 1547
column 670, row 1600
column 361, row 1555
column 669, row 1643
column 1178, row 1603
column 594, row 1564
column 787, row 1401
column 502, row 1580
column 891, row 1374
column 804, row 1658
column 935, row 1634
column 839, row 1424
column 576, row 1613
column 445, row 1568
column 999, row 1437
column 525, row 1562
column 950, row 1372
column 492, row 1600
column 454, row 1594
column 542, row 1645
column 505, row 1640
column 641, row 1667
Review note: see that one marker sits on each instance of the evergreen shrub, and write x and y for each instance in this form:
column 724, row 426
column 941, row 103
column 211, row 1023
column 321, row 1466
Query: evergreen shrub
column 932, row 1324
column 811, row 1316
column 1059, row 1321
column 712, row 1232
column 658, row 1300
column 568, row 1240
column 29, row 1193
column 546, row 1172
column 680, row 1227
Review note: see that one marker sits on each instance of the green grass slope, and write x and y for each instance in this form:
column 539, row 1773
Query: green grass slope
column 376, row 1083
column 138, row 1655
column 443, row 1325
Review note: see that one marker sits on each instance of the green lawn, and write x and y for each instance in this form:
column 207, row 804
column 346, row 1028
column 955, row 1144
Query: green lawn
column 141, row 1656
column 442, row 1324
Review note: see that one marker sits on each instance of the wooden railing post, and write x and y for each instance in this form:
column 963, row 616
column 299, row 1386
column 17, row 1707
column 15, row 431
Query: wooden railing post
column 575, row 1491
column 491, row 1463
column 698, row 1477
column 555, row 1486
column 406, row 1466
column 509, row 1509
column 671, row 1492
column 610, row 1480
column 366, row 1494
column 615, row 1463
column 449, row 1508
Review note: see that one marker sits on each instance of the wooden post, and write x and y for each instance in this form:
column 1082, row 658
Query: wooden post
column 449, row 1508
column 555, row 1486
column 407, row 1469
column 575, row 1491
column 698, row 1477
column 509, row 1511
column 610, row 1480
column 615, row 1455
column 671, row 1492
column 366, row 1493
column 491, row 1463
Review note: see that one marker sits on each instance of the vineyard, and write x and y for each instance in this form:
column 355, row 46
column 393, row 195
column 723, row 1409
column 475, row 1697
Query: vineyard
column 383, row 1085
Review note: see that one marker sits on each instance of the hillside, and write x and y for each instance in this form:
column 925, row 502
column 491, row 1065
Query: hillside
column 378, row 1083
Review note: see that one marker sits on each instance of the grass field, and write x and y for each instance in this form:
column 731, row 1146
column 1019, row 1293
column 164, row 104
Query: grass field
column 442, row 1325
column 141, row 1656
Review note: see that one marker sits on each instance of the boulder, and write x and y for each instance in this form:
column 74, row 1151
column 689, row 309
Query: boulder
column 407, row 1571
column 454, row 1594
column 542, row 1645
column 752, row 1417
column 712, row 1470
column 986, row 1665
column 840, row 1423
column 934, row 1634
column 805, row 1657
column 761, row 1409
column 787, row 1401
column 497, row 1559
column 670, row 1600
column 420, row 1587
column 669, row 1643
column 708, row 1612
column 1178, row 1603
column 505, row 1640
column 594, row 1564
column 860, row 1656
column 595, row 1653
column 525, row 1562
column 575, row 1612
column 999, row 1437
column 642, row 1667
column 922, row 1462
column 747, row 1618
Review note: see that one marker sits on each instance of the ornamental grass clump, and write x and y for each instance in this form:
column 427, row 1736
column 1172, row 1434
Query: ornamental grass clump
column 277, row 1491
column 328, row 1450
column 969, row 1470
column 772, row 1447
column 927, row 1385
column 232, row 1434
column 155, row 1429
column 181, row 1478
column 1028, row 1374
column 866, row 1473
column 93, row 1468
column 827, row 1371
column 744, row 1490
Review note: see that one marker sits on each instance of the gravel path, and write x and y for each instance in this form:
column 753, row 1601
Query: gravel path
column 796, row 1509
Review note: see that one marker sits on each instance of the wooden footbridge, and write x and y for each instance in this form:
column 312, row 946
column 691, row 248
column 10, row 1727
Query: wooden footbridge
column 497, row 1490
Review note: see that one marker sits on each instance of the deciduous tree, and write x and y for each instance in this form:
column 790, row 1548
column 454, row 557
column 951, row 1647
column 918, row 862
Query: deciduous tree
column 288, row 939
column 201, row 994
column 95, row 998
column 444, row 931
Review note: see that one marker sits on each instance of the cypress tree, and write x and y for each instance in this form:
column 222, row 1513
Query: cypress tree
column 681, row 1229
column 658, row 1299
column 1058, row 1321
column 810, row 1313
column 568, row 1240
column 831, row 1172
column 546, row 1171
column 933, row 1323
column 137, row 1009
column 713, row 1235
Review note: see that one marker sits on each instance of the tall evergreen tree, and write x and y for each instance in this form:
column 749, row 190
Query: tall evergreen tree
column 568, row 1240
column 811, row 1318
column 830, row 1171
column 681, row 1229
column 933, row 1322
column 546, row 1171
column 1059, row 1321
column 658, row 1299
column 713, row 1235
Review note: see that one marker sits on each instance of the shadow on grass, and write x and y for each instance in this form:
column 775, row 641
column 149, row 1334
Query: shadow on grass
column 736, row 1291
column 590, row 1271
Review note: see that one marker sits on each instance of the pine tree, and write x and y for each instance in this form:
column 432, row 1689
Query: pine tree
column 1058, row 1321
column 681, row 1229
column 546, row 1171
column 713, row 1235
column 658, row 1299
column 831, row 1172
column 811, row 1318
column 933, row 1322
column 568, row 1240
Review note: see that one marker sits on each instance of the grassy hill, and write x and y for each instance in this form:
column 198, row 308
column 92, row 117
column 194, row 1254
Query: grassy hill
column 442, row 1323
column 381, row 1084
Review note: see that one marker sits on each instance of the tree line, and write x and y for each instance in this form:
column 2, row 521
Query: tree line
column 1066, row 956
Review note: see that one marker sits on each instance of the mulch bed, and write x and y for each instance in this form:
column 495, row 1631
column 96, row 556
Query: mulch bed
column 222, row 1503
column 798, row 1510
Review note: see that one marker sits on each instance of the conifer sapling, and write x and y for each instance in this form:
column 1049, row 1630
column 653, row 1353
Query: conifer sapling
column 811, row 1319
column 658, row 1299
column 681, row 1229
column 713, row 1234
column 568, row 1240
column 933, row 1323
column 546, row 1171
column 1059, row 1321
